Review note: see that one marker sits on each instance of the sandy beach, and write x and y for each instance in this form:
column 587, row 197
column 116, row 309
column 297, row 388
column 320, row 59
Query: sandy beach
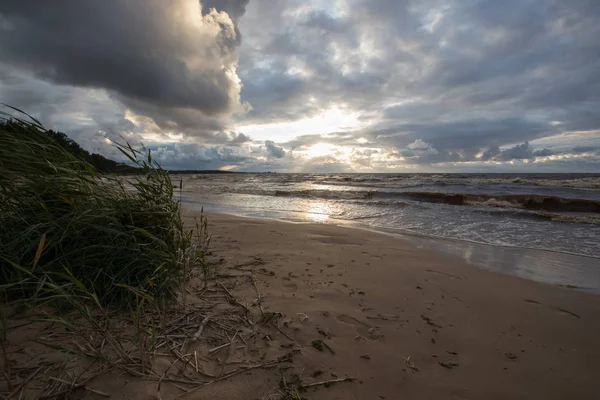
column 316, row 311
column 405, row 323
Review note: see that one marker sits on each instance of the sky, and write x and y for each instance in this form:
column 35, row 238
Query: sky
column 314, row 85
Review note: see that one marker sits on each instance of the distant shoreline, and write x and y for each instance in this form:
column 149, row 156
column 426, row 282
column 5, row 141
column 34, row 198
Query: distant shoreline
column 515, row 174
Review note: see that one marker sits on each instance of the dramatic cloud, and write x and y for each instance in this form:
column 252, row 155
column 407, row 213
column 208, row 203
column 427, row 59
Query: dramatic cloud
column 234, row 8
column 490, row 153
column 345, row 85
column 274, row 150
column 164, row 59
column 519, row 152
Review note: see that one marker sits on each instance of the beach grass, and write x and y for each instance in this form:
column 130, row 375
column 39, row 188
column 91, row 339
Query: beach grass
column 101, row 256
column 62, row 222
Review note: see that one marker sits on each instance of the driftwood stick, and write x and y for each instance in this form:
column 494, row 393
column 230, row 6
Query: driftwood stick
column 96, row 391
column 259, row 299
column 232, row 297
column 200, row 328
column 220, row 347
column 329, row 382
column 282, row 332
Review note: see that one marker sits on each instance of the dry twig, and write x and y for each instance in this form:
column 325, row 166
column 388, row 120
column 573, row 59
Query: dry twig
column 329, row 382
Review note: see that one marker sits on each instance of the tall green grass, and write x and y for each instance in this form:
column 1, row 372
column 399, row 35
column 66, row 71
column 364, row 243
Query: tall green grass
column 62, row 225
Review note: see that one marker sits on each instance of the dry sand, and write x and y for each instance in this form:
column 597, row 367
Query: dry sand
column 409, row 324
column 298, row 304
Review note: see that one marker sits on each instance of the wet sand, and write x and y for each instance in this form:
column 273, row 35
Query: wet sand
column 409, row 323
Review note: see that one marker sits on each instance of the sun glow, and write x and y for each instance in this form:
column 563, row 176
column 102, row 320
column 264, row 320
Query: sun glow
column 320, row 150
column 318, row 211
column 331, row 120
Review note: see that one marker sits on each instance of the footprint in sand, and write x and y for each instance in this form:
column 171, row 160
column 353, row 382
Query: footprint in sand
column 292, row 286
column 363, row 330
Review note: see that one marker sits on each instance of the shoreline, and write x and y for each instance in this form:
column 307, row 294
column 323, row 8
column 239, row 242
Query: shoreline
column 487, row 256
column 435, row 207
column 407, row 322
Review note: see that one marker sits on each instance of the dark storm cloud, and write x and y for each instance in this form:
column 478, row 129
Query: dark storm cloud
column 490, row 153
column 234, row 8
column 519, row 152
column 240, row 138
column 304, row 140
column 420, row 152
column 150, row 52
column 543, row 153
column 466, row 134
column 194, row 156
column 274, row 150
column 226, row 138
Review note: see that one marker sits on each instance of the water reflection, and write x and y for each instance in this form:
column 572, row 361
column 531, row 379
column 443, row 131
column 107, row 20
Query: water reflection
column 538, row 265
column 317, row 211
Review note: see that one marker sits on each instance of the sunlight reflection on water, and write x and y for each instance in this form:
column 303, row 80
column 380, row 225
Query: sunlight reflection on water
column 318, row 211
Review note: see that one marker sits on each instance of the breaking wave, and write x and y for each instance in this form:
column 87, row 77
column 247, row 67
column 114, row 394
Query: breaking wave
column 547, row 216
column 579, row 181
column 528, row 202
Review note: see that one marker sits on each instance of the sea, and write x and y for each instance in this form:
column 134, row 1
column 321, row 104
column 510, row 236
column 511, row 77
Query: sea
column 544, row 227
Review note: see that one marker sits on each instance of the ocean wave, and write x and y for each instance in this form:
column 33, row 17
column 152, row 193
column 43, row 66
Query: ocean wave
column 383, row 202
column 590, row 182
column 587, row 182
column 542, row 215
column 324, row 194
column 529, row 202
column 580, row 219
column 374, row 197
